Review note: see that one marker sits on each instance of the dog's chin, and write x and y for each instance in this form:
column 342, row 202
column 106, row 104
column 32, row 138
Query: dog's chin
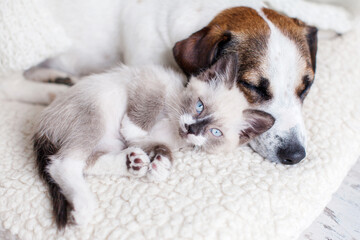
column 264, row 151
column 272, row 147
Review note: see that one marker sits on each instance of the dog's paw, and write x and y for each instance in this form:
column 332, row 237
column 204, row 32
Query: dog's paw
column 159, row 168
column 137, row 162
column 83, row 210
column 40, row 74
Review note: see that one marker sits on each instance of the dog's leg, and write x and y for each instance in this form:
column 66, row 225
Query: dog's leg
column 49, row 75
column 322, row 16
column 16, row 88
column 68, row 174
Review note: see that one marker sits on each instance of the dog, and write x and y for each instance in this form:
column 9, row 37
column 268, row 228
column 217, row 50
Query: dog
column 277, row 54
column 277, row 58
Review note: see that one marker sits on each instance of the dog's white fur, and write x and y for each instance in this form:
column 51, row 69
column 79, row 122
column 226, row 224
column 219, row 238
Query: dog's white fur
column 286, row 68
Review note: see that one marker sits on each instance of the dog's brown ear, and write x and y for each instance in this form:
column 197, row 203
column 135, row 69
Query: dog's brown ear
column 312, row 40
column 258, row 122
column 200, row 50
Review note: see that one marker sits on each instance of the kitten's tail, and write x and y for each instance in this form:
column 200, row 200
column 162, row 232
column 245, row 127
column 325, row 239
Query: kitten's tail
column 44, row 148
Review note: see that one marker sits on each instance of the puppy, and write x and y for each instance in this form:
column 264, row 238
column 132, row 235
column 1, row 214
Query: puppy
column 277, row 61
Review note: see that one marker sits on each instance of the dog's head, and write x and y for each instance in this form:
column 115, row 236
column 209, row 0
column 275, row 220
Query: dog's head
column 277, row 60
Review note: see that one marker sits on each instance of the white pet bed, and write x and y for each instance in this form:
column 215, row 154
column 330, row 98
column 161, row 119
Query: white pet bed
column 234, row 196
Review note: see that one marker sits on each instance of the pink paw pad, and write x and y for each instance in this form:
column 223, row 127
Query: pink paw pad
column 137, row 163
column 159, row 168
column 153, row 166
column 138, row 160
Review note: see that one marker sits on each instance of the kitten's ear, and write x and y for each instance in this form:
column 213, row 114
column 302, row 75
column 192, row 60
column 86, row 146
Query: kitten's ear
column 226, row 66
column 257, row 122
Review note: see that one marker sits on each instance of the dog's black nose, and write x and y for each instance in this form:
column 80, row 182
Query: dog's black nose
column 291, row 154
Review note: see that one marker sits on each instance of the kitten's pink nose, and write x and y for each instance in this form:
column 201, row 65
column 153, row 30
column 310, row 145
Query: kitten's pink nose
column 198, row 127
column 193, row 128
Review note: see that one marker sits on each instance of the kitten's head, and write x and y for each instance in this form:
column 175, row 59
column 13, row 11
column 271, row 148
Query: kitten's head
column 215, row 114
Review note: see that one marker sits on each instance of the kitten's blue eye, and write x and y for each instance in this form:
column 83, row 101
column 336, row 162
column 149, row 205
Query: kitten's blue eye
column 216, row 132
column 199, row 107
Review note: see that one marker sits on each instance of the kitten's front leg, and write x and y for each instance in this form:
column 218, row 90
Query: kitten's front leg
column 131, row 162
column 154, row 162
column 160, row 163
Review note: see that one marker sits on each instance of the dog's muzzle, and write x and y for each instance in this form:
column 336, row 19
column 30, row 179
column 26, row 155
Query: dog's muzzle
column 287, row 147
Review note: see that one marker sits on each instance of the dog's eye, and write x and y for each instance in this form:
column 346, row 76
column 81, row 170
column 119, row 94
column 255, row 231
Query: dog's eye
column 261, row 89
column 307, row 84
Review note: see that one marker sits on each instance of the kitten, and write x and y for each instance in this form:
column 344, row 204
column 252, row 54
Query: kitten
column 126, row 122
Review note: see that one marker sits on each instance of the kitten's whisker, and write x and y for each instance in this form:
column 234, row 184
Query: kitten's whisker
column 173, row 106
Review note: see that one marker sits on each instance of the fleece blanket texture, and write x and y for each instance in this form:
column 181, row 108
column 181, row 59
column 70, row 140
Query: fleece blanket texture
column 234, row 196
column 27, row 31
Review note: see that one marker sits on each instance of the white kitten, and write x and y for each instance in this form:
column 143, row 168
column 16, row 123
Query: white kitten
column 126, row 122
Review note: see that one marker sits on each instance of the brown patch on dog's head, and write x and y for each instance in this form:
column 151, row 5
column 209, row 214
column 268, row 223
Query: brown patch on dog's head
column 241, row 30
column 244, row 31
column 223, row 34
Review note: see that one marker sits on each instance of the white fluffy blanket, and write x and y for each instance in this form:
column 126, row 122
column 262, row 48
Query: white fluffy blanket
column 27, row 31
column 233, row 196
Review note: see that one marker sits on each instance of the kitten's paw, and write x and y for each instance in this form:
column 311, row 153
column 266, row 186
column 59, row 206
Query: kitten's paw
column 83, row 210
column 137, row 162
column 159, row 168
